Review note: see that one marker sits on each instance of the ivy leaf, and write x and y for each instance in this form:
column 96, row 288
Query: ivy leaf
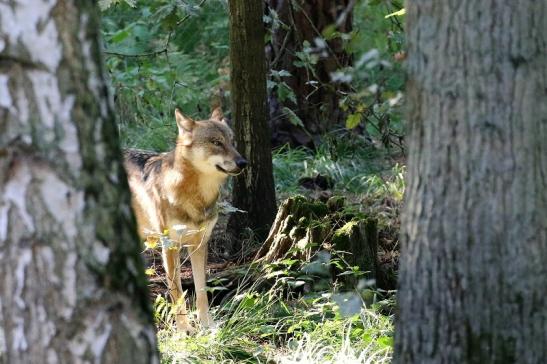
column 285, row 92
column 105, row 4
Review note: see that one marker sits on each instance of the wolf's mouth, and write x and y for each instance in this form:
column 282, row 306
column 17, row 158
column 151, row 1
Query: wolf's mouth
column 231, row 173
column 221, row 169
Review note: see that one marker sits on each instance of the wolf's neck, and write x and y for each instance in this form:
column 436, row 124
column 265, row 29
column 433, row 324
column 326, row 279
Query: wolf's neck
column 190, row 184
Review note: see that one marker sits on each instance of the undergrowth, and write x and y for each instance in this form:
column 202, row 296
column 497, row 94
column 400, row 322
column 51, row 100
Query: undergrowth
column 279, row 326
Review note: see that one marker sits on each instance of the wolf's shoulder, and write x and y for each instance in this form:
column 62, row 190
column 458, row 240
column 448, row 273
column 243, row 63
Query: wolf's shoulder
column 138, row 157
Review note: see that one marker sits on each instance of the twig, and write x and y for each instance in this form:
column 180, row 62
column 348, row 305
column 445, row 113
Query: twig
column 149, row 54
column 281, row 49
column 187, row 16
column 344, row 14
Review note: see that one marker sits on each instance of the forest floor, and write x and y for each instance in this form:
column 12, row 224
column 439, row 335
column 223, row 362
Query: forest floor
column 269, row 314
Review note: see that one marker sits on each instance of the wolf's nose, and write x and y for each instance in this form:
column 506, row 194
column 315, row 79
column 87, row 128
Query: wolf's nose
column 241, row 163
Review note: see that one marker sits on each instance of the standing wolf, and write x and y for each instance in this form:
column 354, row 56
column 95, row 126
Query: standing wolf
column 181, row 188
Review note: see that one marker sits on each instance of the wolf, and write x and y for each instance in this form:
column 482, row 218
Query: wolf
column 177, row 191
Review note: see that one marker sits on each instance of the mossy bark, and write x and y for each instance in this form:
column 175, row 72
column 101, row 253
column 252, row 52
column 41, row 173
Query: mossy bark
column 360, row 239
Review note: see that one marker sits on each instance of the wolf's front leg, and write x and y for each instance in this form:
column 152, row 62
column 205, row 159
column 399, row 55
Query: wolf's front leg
column 198, row 257
column 171, row 263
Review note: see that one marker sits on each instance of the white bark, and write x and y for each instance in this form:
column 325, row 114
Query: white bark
column 71, row 283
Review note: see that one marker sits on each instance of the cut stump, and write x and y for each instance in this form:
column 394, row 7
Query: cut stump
column 302, row 227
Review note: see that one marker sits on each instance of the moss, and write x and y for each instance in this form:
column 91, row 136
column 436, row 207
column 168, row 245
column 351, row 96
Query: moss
column 341, row 237
column 336, row 203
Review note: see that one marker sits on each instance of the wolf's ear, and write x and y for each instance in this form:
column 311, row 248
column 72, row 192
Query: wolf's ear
column 217, row 114
column 184, row 123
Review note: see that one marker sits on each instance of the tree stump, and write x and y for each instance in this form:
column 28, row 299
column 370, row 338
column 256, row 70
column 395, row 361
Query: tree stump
column 360, row 239
column 302, row 227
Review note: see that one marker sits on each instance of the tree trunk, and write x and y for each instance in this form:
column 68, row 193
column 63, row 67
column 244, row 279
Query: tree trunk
column 253, row 190
column 473, row 278
column 72, row 287
column 316, row 95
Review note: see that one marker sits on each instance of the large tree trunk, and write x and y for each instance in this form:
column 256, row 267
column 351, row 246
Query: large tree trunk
column 254, row 190
column 316, row 95
column 473, row 278
column 72, row 287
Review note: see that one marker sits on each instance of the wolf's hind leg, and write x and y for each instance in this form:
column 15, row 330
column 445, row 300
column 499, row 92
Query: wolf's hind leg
column 171, row 263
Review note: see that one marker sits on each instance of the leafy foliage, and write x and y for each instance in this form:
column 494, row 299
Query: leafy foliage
column 167, row 52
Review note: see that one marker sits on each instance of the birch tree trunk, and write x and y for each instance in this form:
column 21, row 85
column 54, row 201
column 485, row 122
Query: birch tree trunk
column 253, row 190
column 473, row 276
column 72, row 288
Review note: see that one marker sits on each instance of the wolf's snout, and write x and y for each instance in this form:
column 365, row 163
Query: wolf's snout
column 241, row 163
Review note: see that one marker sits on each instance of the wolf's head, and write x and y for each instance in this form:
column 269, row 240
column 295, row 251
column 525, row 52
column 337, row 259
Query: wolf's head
column 208, row 144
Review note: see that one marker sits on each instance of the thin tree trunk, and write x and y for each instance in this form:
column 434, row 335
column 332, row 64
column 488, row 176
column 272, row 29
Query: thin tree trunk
column 473, row 276
column 317, row 97
column 254, row 190
column 72, row 288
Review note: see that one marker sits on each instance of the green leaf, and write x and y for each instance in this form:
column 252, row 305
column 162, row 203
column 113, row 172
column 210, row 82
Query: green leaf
column 385, row 341
column 330, row 32
column 353, row 120
column 119, row 36
column 293, row 118
column 285, row 92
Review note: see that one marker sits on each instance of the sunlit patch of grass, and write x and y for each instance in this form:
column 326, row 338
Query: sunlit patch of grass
column 346, row 158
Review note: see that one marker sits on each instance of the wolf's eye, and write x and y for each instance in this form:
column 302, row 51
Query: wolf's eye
column 217, row 143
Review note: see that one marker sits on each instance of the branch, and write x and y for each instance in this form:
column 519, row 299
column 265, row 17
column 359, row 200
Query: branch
column 149, row 54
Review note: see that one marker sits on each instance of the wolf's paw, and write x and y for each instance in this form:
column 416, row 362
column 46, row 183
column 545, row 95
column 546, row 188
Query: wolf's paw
column 207, row 321
column 184, row 327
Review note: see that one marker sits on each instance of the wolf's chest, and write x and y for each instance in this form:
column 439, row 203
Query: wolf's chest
column 188, row 212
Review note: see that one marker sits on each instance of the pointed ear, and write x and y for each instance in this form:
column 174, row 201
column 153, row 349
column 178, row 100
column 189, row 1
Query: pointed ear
column 217, row 114
column 184, row 123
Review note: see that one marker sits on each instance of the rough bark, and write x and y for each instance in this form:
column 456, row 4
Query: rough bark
column 253, row 190
column 317, row 97
column 473, row 277
column 72, row 287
